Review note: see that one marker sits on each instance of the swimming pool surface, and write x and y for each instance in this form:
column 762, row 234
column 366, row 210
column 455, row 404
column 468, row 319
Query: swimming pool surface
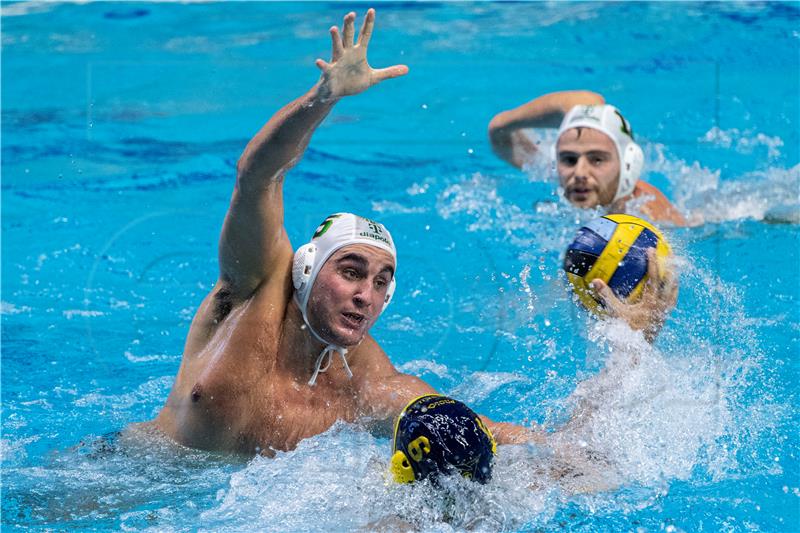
column 121, row 127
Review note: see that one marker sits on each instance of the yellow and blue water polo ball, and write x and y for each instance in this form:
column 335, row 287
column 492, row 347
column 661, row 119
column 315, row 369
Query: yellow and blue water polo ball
column 613, row 248
column 437, row 435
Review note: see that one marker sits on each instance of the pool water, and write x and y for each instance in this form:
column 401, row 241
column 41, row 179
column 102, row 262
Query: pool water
column 121, row 127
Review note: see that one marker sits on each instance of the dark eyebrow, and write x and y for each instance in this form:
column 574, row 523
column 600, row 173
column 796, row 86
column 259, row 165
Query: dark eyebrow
column 362, row 262
column 389, row 269
column 353, row 257
column 590, row 152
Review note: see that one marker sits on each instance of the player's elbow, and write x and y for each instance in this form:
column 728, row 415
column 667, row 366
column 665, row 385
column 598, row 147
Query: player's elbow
column 499, row 136
column 243, row 169
column 497, row 127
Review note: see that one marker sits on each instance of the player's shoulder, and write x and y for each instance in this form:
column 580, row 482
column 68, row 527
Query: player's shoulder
column 371, row 361
column 646, row 189
column 659, row 208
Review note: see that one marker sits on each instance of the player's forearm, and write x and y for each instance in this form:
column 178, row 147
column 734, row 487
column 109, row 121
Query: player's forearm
column 546, row 111
column 283, row 139
column 506, row 433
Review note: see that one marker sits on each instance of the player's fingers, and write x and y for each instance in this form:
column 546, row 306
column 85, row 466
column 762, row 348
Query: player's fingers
column 671, row 290
column 653, row 270
column 336, row 44
column 348, row 29
column 606, row 295
column 395, row 71
column 366, row 29
column 654, row 285
column 324, row 66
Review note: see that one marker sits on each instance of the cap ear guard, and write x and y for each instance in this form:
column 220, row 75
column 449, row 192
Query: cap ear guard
column 303, row 266
column 400, row 468
column 631, row 165
column 389, row 293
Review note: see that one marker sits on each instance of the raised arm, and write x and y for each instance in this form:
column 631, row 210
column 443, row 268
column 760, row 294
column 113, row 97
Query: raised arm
column 546, row 111
column 254, row 244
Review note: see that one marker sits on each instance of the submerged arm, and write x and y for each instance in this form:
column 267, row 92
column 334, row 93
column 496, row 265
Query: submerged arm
column 508, row 433
column 385, row 392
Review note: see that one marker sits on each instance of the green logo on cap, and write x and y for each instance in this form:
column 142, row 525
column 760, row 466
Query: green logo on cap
column 325, row 226
column 625, row 128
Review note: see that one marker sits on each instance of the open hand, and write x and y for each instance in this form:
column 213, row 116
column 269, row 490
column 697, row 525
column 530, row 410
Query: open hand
column 649, row 312
column 348, row 72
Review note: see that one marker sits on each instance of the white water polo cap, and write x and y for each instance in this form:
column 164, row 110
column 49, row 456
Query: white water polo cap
column 335, row 232
column 607, row 119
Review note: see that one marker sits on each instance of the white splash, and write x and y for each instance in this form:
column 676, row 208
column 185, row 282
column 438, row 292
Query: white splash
column 478, row 198
column 744, row 142
column 700, row 192
column 385, row 206
column 7, row 308
column 418, row 367
column 69, row 314
column 478, row 386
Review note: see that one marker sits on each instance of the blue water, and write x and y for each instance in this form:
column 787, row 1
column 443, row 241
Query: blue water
column 121, row 127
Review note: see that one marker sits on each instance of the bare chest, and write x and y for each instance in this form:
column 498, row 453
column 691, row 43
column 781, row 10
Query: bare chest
column 293, row 411
column 239, row 399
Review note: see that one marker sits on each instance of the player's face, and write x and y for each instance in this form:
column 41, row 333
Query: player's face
column 348, row 293
column 588, row 167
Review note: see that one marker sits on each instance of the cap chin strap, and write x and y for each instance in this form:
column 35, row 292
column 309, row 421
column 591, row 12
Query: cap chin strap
column 329, row 350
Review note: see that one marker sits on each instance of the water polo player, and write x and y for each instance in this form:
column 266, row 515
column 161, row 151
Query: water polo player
column 596, row 158
column 436, row 435
column 279, row 350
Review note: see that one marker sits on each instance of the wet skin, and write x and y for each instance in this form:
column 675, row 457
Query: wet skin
column 588, row 167
column 348, row 294
column 242, row 385
column 243, row 381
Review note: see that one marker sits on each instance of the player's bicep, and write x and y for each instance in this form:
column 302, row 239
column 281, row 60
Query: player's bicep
column 253, row 244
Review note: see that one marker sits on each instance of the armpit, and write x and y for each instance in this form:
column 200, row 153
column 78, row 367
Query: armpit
column 222, row 303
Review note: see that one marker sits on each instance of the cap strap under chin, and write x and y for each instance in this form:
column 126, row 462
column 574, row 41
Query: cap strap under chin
column 329, row 350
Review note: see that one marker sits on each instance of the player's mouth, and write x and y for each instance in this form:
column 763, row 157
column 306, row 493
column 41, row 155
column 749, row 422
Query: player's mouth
column 579, row 193
column 353, row 320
